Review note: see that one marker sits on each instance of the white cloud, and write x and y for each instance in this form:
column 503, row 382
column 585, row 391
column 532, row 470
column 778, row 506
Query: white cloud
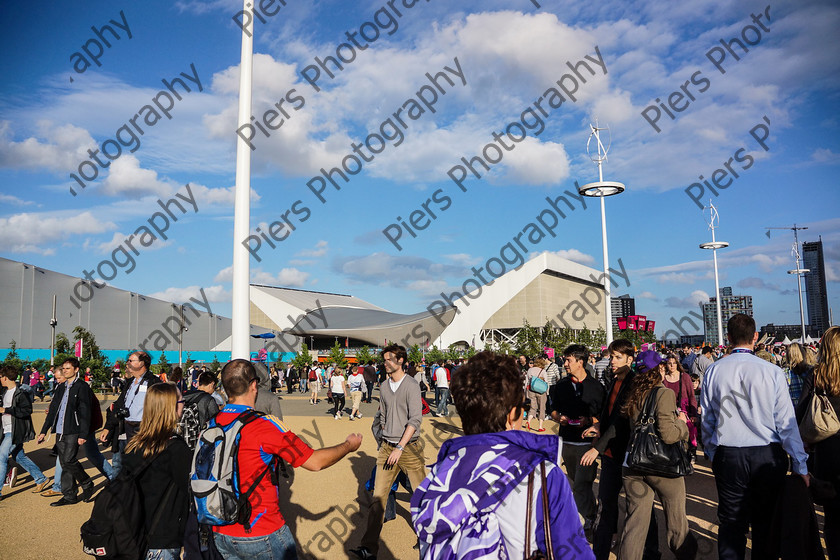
column 576, row 256
column 127, row 178
column 183, row 295
column 22, row 233
column 825, row 155
column 694, row 300
column 14, row 201
column 463, row 259
column 647, row 295
column 119, row 239
column 288, row 277
column 319, row 251
column 56, row 148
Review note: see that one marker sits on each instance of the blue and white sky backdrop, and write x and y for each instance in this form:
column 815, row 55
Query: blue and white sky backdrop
column 57, row 103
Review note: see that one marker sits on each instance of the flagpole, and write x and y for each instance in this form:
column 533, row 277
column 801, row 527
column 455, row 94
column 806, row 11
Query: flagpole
column 240, row 320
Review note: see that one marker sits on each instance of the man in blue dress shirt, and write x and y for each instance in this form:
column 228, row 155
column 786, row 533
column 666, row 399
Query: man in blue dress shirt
column 749, row 430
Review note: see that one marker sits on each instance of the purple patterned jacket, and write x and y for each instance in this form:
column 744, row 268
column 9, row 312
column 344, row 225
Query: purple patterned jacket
column 473, row 503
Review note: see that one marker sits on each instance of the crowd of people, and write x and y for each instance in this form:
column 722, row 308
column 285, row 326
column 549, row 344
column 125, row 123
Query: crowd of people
column 510, row 486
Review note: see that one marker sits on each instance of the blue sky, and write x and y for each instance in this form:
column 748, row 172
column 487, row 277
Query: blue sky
column 509, row 53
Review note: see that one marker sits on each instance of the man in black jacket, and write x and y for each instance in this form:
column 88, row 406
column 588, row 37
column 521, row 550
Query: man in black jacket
column 612, row 434
column 69, row 418
column 125, row 414
column 575, row 400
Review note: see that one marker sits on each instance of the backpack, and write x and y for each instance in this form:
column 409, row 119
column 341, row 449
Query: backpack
column 116, row 529
column 190, row 424
column 214, row 477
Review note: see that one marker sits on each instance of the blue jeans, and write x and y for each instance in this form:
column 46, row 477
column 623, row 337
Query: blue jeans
column 304, row 381
column 116, row 459
column 279, row 545
column 16, row 451
column 163, row 554
column 443, row 402
column 91, row 448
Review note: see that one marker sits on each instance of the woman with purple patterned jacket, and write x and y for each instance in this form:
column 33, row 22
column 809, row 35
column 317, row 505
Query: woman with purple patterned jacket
column 480, row 496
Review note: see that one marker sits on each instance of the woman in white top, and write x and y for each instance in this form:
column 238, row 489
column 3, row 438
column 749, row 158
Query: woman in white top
column 338, row 386
column 538, row 400
column 356, row 382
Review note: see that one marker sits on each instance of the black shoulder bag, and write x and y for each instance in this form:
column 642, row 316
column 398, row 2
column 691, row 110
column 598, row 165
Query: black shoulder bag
column 647, row 454
column 539, row 554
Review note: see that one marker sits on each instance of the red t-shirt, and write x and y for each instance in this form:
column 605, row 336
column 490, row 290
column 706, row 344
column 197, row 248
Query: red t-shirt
column 259, row 441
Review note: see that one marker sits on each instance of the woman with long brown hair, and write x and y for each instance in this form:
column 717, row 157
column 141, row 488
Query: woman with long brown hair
column 826, row 453
column 639, row 488
column 678, row 380
column 800, row 362
column 165, row 460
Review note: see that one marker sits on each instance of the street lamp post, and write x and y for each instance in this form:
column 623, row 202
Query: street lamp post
column 798, row 271
column 602, row 189
column 181, row 330
column 714, row 219
column 53, row 323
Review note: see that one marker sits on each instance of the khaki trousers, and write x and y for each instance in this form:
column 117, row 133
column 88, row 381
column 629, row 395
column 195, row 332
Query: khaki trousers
column 640, row 493
column 413, row 463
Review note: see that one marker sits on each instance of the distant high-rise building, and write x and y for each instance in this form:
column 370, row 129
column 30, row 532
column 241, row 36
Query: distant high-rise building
column 815, row 291
column 622, row 306
column 729, row 305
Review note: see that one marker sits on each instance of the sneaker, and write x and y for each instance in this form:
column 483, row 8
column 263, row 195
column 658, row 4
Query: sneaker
column 352, row 417
column 358, row 415
column 336, row 416
column 363, row 553
column 13, row 477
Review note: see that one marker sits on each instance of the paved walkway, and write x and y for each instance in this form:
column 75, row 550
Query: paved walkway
column 325, row 510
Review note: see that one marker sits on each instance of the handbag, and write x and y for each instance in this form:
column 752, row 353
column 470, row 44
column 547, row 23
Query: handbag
column 539, row 554
column 648, row 454
column 538, row 385
column 820, row 420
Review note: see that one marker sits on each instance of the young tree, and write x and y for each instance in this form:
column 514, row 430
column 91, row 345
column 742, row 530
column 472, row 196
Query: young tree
column 163, row 365
column 92, row 357
column 302, row 359
column 337, row 356
column 215, row 365
column 364, row 355
column 453, row 352
column 434, row 355
column 62, row 345
column 415, row 354
column 12, row 359
column 470, row 352
column 529, row 340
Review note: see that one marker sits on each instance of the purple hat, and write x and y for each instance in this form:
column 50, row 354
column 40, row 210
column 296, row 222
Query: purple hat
column 647, row 360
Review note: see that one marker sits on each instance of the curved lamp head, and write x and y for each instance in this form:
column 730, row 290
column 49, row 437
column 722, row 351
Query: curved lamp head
column 601, row 188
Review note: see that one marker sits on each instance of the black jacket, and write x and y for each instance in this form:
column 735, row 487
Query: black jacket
column 21, row 411
column 206, row 404
column 77, row 414
column 577, row 400
column 615, row 427
column 172, row 465
column 113, row 423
